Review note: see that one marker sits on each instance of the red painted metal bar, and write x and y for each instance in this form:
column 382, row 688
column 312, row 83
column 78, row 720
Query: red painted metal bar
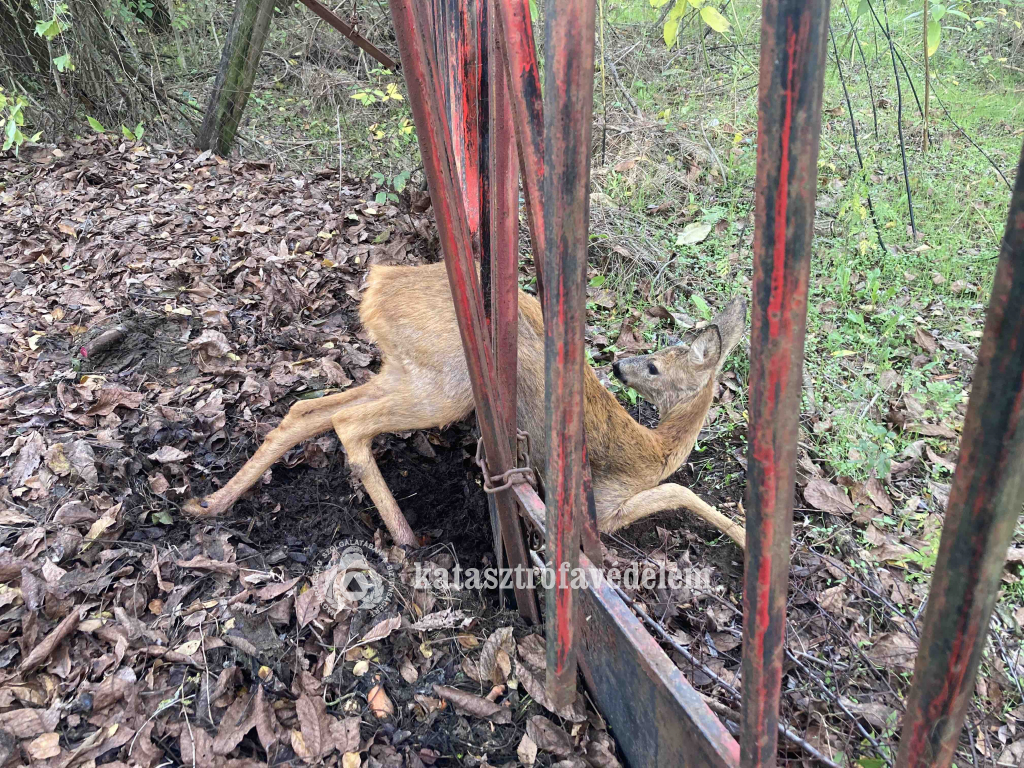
column 793, row 39
column 424, row 86
column 499, row 229
column 504, row 239
column 514, row 30
column 656, row 716
column 332, row 19
column 984, row 503
column 568, row 114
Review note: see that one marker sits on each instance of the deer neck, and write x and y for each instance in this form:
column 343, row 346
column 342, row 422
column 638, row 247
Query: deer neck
column 678, row 431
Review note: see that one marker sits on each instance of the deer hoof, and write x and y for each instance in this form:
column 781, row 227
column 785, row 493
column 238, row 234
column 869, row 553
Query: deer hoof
column 200, row 508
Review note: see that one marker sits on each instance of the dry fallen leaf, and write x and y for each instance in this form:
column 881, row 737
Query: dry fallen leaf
column 44, row 747
column 471, row 704
column 828, row 497
column 893, row 650
column 527, row 750
column 379, row 703
column 167, row 454
column 926, row 340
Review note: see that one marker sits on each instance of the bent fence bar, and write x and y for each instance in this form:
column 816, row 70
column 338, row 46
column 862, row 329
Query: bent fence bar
column 473, row 77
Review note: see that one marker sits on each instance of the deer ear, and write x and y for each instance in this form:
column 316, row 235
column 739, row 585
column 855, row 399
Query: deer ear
column 706, row 348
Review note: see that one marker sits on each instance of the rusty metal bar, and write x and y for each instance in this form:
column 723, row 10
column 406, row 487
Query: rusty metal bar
column 514, row 30
column 568, row 114
column 793, row 39
column 984, row 503
column 332, row 19
column 424, row 85
column 658, row 719
column 503, row 237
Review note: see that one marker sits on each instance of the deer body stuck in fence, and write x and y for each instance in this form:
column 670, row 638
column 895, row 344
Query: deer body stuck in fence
column 424, row 383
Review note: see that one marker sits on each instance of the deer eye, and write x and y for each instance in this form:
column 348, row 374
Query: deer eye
column 652, row 369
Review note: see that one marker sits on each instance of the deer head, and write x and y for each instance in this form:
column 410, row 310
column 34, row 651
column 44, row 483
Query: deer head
column 678, row 373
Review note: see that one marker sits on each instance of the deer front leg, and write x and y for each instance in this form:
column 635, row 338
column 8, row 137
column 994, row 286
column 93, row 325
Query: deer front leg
column 402, row 405
column 672, row 496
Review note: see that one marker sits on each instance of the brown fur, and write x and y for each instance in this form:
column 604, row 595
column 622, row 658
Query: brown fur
column 424, row 382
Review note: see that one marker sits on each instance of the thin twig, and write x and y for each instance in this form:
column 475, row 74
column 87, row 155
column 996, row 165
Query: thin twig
column 625, row 92
column 856, row 143
column 973, row 142
column 899, row 120
column 713, row 153
column 864, row 61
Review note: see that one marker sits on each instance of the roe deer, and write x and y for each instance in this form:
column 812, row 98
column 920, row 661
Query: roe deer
column 424, row 382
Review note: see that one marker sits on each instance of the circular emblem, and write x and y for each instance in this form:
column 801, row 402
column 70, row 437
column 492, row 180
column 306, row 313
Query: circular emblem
column 365, row 577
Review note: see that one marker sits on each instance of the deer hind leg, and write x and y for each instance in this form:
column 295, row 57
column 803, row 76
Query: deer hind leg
column 672, row 496
column 400, row 409
column 305, row 419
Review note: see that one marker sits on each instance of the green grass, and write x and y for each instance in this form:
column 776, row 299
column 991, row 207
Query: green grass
column 865, row 304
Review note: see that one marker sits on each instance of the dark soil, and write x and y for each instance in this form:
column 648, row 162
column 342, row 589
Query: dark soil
column 310, row 508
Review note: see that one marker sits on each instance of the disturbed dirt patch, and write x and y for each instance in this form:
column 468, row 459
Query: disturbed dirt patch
column 314, row 507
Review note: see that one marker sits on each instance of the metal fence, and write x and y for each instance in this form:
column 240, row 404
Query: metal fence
column 482, row 120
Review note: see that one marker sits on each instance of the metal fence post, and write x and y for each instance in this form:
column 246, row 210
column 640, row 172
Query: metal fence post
column 793, row 39
column 984, row 503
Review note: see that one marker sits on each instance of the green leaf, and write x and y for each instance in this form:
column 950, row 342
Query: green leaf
column 10, row 132
column 597, row 281
column 694, row 233
column 95, row 124
column 702, row 306
column 533, row 11
column 139, row 130
column 871, row 762
column 127, row 134
column 863, row 8
column 936, row 12
column 49, row 28
column 163, row 517
column 714, row 19
column 381, row 197
column 658, row 3
column 63, row 63
column 671, row 32
column 934, row 35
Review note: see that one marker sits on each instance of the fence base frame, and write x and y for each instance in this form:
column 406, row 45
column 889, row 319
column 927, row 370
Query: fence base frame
column 655, row 715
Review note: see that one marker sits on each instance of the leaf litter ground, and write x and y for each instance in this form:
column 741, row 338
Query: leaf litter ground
column 163, row 309
column 160, row 312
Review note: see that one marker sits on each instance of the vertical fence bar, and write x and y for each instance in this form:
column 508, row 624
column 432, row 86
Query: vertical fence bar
column 425, row 99
column 568, row 112
column 793, row 37
column 519, row 52
column 984, row 503
column 504, row 231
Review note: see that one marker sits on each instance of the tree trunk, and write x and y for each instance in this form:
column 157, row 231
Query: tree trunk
column 242, row 49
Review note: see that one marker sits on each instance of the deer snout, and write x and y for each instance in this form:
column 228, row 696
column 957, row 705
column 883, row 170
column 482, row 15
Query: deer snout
column 617, row 371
